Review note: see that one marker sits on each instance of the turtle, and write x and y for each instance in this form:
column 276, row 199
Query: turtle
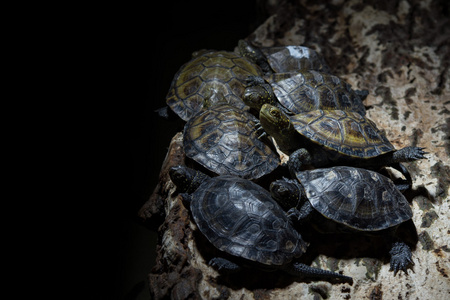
column 301, row 82
column 303, row 91
column 223, row 138
column 223, row 71
column 283, row 59
column 356, row 199
column 240, row 218
column 322, row 138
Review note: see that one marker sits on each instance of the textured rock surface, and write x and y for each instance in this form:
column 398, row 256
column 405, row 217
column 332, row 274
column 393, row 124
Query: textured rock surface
column 400, row 53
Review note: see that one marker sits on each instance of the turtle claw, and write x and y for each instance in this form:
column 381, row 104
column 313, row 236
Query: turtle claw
column 260, row 130
column 410, row 154
column 293, row 214
column 400, row 258
column 419, row 153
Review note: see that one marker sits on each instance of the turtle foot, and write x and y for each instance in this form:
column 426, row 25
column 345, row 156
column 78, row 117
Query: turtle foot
column 400, row 257
column 409, row 154
column 297, row 159
column 222, row 264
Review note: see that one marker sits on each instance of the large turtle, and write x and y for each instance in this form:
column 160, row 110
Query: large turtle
column 358, row 199
column 241, row 219
column 283, row 59
column 322, row 138
column 303, row 91
column 223, row 138
column 221, row 71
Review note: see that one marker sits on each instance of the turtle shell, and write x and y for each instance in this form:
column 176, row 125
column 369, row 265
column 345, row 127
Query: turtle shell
column 220, row 71
column 310, row 90
column 223, row 139
column 294, row 58
column 348, row 133
column 241, row 218
column 362, row 199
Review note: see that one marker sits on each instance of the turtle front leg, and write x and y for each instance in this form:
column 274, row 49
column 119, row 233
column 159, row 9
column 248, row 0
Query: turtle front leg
column 297, row 160
column 222, row 264
column 258, row 92
column 400, row 257
column 300, row 215
column 408, row 154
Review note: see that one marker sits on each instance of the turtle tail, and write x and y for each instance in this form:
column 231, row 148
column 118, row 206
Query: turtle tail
column 302, row 270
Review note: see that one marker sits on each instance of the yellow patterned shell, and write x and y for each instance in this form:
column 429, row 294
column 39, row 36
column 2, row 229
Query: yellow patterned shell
column 309, row 90
column 223, row 139
column 223, row 72
column 349, row 133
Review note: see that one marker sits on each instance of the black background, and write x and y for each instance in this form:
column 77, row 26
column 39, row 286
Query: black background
column 140, row 50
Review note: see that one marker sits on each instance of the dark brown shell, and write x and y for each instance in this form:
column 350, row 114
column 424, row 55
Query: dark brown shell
column 223, row 72
column 310, row 90
column 223, row 139
column 359, row 198
column 240, row 217
column 294, row 58
column 349, row 133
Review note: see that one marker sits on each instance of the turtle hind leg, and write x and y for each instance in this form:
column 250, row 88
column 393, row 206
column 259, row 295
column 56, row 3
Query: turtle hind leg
column 302, row 270
column 408, row 154
column 224, row 265
column 400, row 257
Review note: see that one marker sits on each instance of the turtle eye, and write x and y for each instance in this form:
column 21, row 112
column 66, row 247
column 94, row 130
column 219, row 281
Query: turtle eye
column 275, row 113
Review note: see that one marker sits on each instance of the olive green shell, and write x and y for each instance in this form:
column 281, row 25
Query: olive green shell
column 240, row 217
column 359, row 198
column 294, row 58
column 310, row 90
column 219, row 71
column 349, row 133
column 223, row 139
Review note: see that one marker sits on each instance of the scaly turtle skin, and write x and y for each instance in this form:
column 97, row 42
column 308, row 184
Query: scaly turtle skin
column 284, row 58
column 304, row 91
column 241, row 219
column 357, row 199
column 223, row 139
column 221, row 71
column 322, row 138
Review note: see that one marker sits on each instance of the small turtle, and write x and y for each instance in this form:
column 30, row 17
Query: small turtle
column 222, row 71
column 301, row 82
column 323, row 138
column 358, row 199
column 304, row 91
column 223, row 138
column 240, row 218
column 284, row 58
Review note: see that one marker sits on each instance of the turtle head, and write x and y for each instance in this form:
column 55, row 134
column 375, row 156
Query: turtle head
column 186, row 179
column 276, row 124
column 288, row 193
column 258, row 93
column 273, row 118
column 255, row 55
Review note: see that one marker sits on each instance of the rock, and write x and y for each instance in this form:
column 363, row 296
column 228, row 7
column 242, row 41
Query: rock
column 400, row 52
